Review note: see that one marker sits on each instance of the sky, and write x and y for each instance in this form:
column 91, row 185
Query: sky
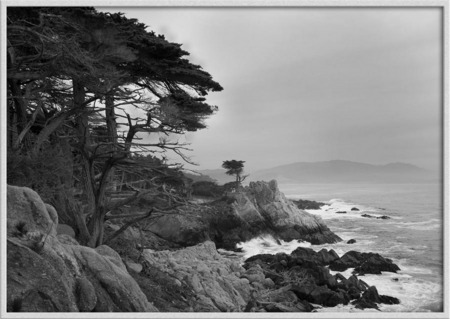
column 313, row 84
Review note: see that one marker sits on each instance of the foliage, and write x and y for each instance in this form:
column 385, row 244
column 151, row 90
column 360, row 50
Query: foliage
column 207, row 189
column 83, row 90
column 235, row 167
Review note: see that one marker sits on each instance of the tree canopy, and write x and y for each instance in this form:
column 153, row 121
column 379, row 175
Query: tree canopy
column 97, row 89
column 235, row 167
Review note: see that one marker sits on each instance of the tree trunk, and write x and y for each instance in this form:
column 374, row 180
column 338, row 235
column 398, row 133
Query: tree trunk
column 19, row 104
column 87, row 174
column 111, row 127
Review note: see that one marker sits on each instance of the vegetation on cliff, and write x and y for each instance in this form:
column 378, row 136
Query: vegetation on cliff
column 83, row 89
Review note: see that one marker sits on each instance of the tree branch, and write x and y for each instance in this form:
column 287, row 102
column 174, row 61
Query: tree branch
column 126, row 225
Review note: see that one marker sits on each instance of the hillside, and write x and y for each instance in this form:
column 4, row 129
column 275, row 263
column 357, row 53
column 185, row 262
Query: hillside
column 336, row 171
column 339, row 171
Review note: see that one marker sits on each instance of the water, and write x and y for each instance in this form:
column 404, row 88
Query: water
column 412, row 237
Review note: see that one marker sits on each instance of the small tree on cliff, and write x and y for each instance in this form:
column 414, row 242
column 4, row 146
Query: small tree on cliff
column 235, row 167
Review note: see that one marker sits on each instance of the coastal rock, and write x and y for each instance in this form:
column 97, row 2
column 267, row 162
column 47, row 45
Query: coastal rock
column 285, row 218
column 376, row 217
column 351, row 241
column 258, row 209
column 341, row 212
column 364, row 263
column 371, row 298
column 355, row 209
column 323, row 257
column 215, row 279
column 57, row 275
column 307, row 204
column 303, row 272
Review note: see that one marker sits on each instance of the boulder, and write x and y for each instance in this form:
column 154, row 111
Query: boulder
column 351, row 241
column 370, row 299
column 181, row 229
column 25, row 209
column 354, row 209
column 63, row 229
column 61, row 275
column 375, row 264
column 364, row 263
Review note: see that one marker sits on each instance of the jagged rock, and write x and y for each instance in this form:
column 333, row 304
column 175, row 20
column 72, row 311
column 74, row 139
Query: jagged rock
column 307, row 204
column 375, row 264
column 370, row 298
column 364, row 263
column 58, row 275
column 214, row 278
column 323, row 257
column 288, row 221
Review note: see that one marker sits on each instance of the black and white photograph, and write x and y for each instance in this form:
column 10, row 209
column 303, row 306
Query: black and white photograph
column 192, row 160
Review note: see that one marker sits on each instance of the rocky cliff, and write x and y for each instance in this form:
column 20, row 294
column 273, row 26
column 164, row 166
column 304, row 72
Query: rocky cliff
column 283, row 216
column 49, row 272
column 257, row 209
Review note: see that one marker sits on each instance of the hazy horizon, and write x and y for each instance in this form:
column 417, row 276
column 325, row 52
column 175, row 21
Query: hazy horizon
column 313, row 84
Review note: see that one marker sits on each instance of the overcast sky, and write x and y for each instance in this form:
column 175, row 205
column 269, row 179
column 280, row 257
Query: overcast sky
column 313, row 84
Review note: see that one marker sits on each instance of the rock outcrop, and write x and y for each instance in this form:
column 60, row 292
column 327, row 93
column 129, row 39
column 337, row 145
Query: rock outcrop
column 288, row 221
column 303, row 273
column 364, row 263
column 257, row 209
column 215, row 280
column 47, row 272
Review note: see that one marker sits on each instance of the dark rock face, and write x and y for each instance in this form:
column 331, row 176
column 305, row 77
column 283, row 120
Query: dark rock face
column 371, row 298
column 364, row 263
column 307, row 204
column 304, row 273
column 379, row 217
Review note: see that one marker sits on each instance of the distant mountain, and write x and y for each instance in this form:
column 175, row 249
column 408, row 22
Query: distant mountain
column 339, row 171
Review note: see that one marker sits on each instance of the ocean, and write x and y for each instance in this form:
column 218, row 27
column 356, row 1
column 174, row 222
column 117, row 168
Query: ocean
column 412, row 237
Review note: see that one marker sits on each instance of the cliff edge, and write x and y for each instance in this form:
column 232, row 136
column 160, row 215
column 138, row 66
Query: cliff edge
column 258, row 209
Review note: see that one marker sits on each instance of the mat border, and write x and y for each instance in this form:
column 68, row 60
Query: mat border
column 443, row 4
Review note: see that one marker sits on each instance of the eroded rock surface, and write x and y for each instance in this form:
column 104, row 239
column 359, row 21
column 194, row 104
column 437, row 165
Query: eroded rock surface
column 46, row 272
column 215, row 280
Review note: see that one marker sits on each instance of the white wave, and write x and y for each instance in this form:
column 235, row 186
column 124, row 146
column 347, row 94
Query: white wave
column 268, row 245
column 414, row 294
column 334, row 206
column 425, row 225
